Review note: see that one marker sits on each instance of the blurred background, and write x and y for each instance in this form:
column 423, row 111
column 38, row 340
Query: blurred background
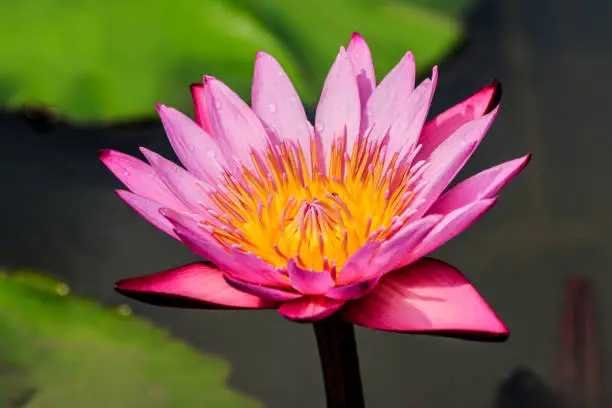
column 78, row 76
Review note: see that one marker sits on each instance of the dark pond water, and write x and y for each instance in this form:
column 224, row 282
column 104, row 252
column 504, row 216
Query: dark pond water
column 553, row 58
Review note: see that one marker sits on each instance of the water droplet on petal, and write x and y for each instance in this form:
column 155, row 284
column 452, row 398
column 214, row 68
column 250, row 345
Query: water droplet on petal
column 280, row 73
column 320, row 127
column 217, row 105
column 211, row 154
column 272, row 108
column 293, row 99
column 126, row 173
column 191, row 148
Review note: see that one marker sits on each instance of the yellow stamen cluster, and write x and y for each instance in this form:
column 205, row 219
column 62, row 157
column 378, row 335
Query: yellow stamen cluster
column 283, row 206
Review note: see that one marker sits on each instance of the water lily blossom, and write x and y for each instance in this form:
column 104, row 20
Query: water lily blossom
column 334, row 218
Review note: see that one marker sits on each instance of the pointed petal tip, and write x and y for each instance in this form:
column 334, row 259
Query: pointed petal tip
column 496, row 88
column 196, row 86
column 104, row 153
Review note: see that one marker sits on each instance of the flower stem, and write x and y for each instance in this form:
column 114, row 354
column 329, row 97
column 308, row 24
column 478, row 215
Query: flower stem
column 338, row 352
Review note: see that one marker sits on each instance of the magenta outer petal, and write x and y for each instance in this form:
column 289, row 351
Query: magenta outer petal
column 149, row 210
column 139, row 177
column 194, row 285
column 200, row 109
column 361, row 59
column 353, row 290
column 310, row 308
column 277, row 104
column 485, row 184
column 237, row 129
column 339, row 109
column 183, row 184
column 309, row 282
column 195, row 148
column 445, row 162
column 265, row 292
column 445, row 124
column 429, row 297
column 449, row 227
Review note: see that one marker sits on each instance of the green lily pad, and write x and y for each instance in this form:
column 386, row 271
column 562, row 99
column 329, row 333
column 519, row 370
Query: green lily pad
column 58, row 350
column 112, row 60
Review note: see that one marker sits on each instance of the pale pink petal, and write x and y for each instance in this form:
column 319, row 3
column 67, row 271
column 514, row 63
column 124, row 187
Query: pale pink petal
column 357, row 267
column 403, row 244
column 389, row 99
column 310, row 308
column 277, row 104
column 450, row 226
column 428, row 297
column 195, row 148
column 244, row 266
column 200, row 108
column 266, row 292
column 238, row 130
column 361, row 59
column 195, row 285
column 353, row 290
column 448, row 158
column 199, row 240
column 445, row 124
column 339, row 109
column 406, row 127
column 485, row 184
column 139, row 177
column 149, row 210
column 308, row 282
column 185, row 186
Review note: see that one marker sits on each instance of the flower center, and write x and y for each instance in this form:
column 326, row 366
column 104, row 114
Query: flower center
column 283, row 206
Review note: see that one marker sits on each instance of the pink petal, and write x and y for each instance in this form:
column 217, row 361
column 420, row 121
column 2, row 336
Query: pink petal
column 238, row 130
column 376, row 258
column 139, row 177
column 309, row 282
column 277, row 104
column 185, row 186
column 361, row 59
column 403, row 244
column 353, row 290
column 195, row 148
column 448, row 158
column 201, row 111
column 240, row 265
column 149, row 210
column 265, row 292
column 449, row 227
column 310, row 308
column 195, row 285
column 389, row 99
column 406, row 127
column 339, row 109
column 485, row 184
column 428, row 297
column 445, row 124
column 357, row 267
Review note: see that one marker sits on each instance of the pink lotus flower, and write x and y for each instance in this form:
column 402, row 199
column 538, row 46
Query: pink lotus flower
column 331, row 219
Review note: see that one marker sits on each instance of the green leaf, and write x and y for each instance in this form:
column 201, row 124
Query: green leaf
column 112, row 60
column 57, row 350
